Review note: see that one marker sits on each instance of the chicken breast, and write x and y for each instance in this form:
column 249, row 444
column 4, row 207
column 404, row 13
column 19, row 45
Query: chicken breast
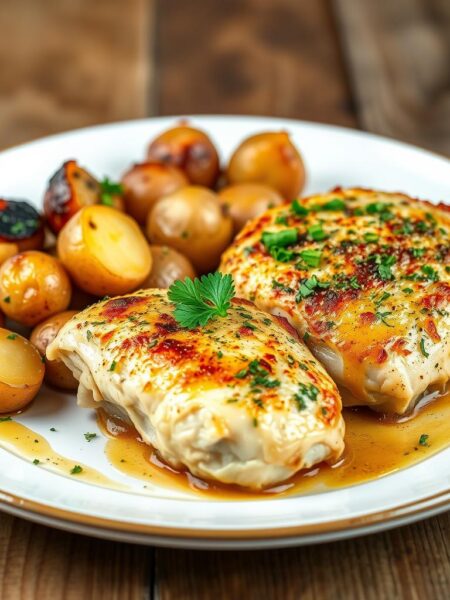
column 240, row 400
column 364, row 278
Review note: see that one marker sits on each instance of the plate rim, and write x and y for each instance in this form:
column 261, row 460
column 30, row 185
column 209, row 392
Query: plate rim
column 331, row 529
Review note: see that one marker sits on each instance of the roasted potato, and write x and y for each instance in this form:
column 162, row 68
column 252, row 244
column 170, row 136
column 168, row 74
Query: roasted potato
column 192, row 221
column 21, row 371
column 246, row 201
column 168, row 266
column 33, row 286
column 104, row 251
column 21, row 228
column 56, row 372
column 271, row 159
column 69, row 189
column 190, row 150
column 145, row 183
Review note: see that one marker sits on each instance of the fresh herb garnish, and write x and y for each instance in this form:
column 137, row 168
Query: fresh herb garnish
column 76, row 470
column 3, row 419
column 384, row 264
column 334, row 204
column 11, row 336
column 423, row 349
column 276, row 285
column 423, row 440
column 306, row 391
column 316, row 232
column 109, row 189
column 199, row 300
column 112, row 366
column 308, row 287
column 89, row 436
column 280, row 239
column 370, row 238
column 311, row 258
column 298, row 209
column 7, row 299
column 36, row 461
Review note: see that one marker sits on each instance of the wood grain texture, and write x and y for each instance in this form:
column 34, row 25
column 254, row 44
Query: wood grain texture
column 399, row 57
column 251, row 57
column 410, row 563
column 39, row 563
column 70, row 63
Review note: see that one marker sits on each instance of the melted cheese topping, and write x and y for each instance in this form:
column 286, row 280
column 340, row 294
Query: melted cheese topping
column 364, row 277
column 239, row 400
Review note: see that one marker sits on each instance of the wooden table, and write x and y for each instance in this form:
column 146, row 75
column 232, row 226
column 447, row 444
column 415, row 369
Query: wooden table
column 382, row 66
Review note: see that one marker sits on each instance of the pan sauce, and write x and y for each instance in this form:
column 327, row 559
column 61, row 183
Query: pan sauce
column 374, row 446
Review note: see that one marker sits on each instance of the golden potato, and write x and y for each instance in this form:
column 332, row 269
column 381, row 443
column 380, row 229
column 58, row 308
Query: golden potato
column 168, row 266
column 7, row 250
column 188, row 149
column 21, row 227
column 145, row 183
column 104, row 251
column 191, row 220
column 56, row 372
column 21, row 371
column 246, row 201
column 268, row 158
column 33, row 286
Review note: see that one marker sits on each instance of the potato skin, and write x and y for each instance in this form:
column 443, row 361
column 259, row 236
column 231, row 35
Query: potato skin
column 23, row 357
column 145, row 183
column 191, row 221
column 188, row 149
column 269, row 158
column 168, row 266
column 68, row 190
column 21, row 227
column 56, row 372
column 246, row 201
column 33, row 286
column 84, row 266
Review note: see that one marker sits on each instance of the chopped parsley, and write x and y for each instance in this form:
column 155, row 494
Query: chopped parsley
column 423, row 349
column 276, row 285
column 281, row 239
column 112, row 366
column 306, row 391
column 298, row 209
column 311, row 258
column 423, row 440
column 109, row 189
column 384, row 264
column 36, row 461
column 11, row 336
column 75, row 470
column 309, row 286
column 370, row 238
column 316, row 232
column 3, row 419
column 7, row 299
column 89, row 436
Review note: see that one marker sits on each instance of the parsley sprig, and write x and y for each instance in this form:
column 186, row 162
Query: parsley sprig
column 197, row 301
column 109, row 189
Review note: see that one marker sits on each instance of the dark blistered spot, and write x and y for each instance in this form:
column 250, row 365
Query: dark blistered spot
column 166, row 324
column 175, row 350
column 118, row 307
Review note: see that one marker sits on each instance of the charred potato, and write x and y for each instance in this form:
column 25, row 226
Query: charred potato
column 191, row 220
column 70, row 188
column 168, row 266
column 56, row 372
column 33, row 286
column 145, row 183
column 104, row 251
column 271, row 159
column 246, row 201
column 21, row 228
column 21, row 371
column 190, row 150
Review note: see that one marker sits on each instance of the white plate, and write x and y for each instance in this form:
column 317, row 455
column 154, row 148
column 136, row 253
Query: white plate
column 334, row 156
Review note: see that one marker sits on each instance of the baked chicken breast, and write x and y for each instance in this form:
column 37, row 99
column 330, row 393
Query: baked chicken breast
column 364, row 277
column 239, row 400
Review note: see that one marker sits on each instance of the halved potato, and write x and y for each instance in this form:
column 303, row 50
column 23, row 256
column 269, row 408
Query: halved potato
column 104, row 251
column 56, row 372
column 21, row 371
column 169, row 265
column 33, row 286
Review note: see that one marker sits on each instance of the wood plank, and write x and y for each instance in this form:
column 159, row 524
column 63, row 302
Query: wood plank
column 70, row 63
column 407, row 563
column 38, row 562
column 399, row 54
column 252, row 57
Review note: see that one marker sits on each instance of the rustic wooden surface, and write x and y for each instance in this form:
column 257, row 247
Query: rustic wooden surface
column 70, row 63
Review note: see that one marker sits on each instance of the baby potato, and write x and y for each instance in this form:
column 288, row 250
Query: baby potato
column 33, row 286
column 104, row 251
column 56, row 372
column 7, row 250
column 246, row 201
column 192, row 221
column 269, row 158
column 168, row 266
column 21, row 371
column 145, row 183
column 69, row 189
column 21, row 227
column 189, row 149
